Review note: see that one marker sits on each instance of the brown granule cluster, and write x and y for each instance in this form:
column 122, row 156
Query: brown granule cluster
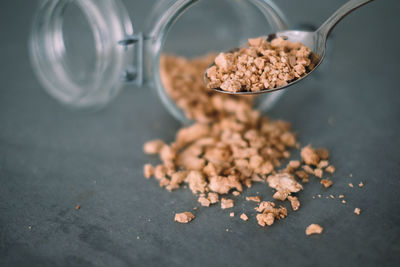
column 261, row 65
column 313, row 229
column 184, row 217
column 228, row 148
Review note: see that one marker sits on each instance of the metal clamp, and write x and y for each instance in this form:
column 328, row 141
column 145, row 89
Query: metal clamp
column 134, row 73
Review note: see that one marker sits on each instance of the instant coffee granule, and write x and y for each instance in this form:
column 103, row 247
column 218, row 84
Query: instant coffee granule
column 229, row 147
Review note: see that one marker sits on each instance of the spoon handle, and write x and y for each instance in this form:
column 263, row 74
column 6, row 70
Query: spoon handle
column 342, row 12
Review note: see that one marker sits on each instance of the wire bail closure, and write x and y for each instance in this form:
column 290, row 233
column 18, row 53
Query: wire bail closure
column 134, row 73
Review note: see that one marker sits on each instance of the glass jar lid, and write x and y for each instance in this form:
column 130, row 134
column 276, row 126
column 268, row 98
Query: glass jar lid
column 75, row 52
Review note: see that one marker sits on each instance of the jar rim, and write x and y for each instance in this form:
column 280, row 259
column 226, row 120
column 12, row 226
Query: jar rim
column 109, row 23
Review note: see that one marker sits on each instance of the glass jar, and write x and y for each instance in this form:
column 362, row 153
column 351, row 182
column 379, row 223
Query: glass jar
column 83, row 51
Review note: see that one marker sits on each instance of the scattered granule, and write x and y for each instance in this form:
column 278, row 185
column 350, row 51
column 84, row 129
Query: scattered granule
column 361, row 184
column 227, row 230
column 318, row 172
column 232, row 214
column 236, row 193
column 153, row 147
column 284, row 182
column 302, row 175
column 138, row 237
column 160, row 172
column 268, row 213
column 341, row 196
column 281, row 195
column 351, row 175
column 332, row 196
column 323, row 153
column 357, row 211
column 344, row 201
column 227, row 203
column 295, row 203
column 323, row 164
column 255, row 198
column 293, row 165
column 244, row 217
column 351, row 185
column 308, row 169
column 195, row 208
column 213, row 197
column 326, row 183
column 309, row 155
column 78, row 207
column 330, row 169
column 196, row 181
column 264, row 219
column 313, row 229
column 260, row 65
column 205, row 202
column 184, row 217
column 148, row 170
column 319, row 195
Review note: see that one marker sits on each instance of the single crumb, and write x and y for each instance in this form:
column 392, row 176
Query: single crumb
column 244, row 217
column 213, row 197
column 205, row 202
column 195, row 208
column 232, row 214
column 78, row 207
column 319, row 195
column 184, row 217
column 351, row 175
column 309, row 155
column 344, row 201
column 226, row 203
column 314, row 229
column 326, row 183
column 138, row 237
column 313, row 197
column 330, row 169
column 227, row 229
column 318, row 172
column 153, row 146
column 148, row 170
column 361, row 184
column 351, row 185
column 332, row 196
column 255, row 198
column 341, row 196
column 236, row 193
column 357, row 211
column 295, row 203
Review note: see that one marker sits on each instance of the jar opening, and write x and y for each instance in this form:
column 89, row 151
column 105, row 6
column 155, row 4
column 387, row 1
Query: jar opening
column 75, row 52
column 196, row 29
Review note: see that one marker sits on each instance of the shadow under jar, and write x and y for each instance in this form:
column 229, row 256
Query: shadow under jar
column 83, row 51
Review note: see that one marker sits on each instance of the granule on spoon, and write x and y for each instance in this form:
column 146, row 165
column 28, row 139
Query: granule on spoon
column 261, row 65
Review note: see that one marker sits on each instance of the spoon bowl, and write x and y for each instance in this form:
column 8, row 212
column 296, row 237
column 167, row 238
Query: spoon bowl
column 315, row 41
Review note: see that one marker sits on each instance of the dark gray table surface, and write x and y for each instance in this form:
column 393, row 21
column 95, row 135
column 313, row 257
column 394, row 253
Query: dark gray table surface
column 52, row 158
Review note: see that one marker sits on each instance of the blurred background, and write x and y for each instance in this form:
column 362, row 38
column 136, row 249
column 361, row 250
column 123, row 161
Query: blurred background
column 53, row 158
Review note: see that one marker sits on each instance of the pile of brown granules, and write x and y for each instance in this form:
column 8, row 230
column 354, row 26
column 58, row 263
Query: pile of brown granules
column 229, row 147
column 261, row 65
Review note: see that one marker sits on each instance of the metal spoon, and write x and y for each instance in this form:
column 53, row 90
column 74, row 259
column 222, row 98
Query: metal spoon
column 316, row 41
